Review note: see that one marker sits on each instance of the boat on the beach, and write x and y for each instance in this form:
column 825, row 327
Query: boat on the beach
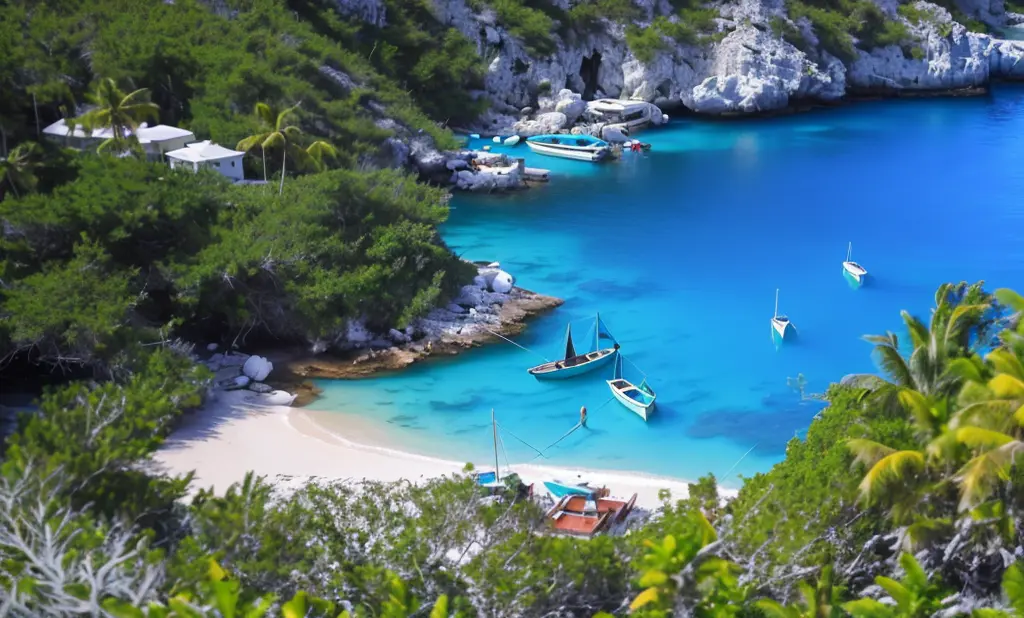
column 560, row 489
column 573, row 364
column 630, row 115
column 491, row 480
column 578, row 147
column 585, row 516
column 782, row 327
column 852, row 271
column 637, row 399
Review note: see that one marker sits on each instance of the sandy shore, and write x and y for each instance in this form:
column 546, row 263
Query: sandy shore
column 231, row 436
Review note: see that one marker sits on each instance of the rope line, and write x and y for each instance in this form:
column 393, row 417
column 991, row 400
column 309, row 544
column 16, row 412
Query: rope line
column 532, row 448
column 740, row 459
column 525, row 349
column 634, row 365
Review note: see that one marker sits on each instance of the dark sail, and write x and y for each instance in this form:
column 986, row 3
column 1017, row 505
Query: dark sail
column 570, row 351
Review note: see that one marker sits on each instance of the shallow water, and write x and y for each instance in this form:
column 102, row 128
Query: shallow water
column 681, row 251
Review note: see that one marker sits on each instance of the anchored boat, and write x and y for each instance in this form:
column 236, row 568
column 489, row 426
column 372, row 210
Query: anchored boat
column 782, row 327
column 574, row 364
column 852, row 271
column 637, row 399
column 492, row 482
column 579, row 147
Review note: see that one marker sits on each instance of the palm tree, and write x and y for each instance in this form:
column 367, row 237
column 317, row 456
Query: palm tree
column 121, row 113
column 16, row 168
column 318, row 150
column 279, row 135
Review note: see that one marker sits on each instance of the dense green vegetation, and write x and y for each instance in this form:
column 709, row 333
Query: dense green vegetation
column 903, row 501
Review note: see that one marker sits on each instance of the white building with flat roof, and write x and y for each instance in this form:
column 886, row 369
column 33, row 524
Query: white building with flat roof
column 207, row 154
column 156, row 141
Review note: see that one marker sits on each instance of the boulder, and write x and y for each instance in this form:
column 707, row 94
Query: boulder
column 456, row 164
column 241, row 381
column 279, row 398
column 503, row 282
column 356, row 333
column 491, row 36
column 550, row 122
column 614, row 134
column 257, row 368
column 570, row 104
column 398, row 336
column 427, row 159
column 455, row 308
column 259, row 387
column 480, row 282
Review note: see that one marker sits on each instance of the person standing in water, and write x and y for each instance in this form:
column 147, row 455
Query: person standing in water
column 583, row 416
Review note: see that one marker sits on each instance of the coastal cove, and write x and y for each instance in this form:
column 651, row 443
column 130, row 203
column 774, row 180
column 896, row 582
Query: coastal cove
column 681, row 250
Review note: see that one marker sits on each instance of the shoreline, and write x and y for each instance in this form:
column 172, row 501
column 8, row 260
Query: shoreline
column 233, row 434
column 295, row 368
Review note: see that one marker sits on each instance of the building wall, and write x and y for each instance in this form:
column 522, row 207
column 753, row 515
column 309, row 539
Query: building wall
column 232, row 168
column 155, row 150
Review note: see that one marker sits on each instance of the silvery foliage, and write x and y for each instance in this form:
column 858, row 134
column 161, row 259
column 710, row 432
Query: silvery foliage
column 60, row 565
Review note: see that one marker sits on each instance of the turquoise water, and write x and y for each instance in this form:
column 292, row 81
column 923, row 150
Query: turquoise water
column 681, row 251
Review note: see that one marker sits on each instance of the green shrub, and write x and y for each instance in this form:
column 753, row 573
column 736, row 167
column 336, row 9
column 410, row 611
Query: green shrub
column 788, row 31
column 645, row 43
column 529, row 25
column 917, row 15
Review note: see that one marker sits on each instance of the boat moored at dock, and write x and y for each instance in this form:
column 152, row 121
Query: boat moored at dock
column 578, row 147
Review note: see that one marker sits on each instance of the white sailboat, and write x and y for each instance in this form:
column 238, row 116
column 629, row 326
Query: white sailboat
column 854, row 272
column 782, row 327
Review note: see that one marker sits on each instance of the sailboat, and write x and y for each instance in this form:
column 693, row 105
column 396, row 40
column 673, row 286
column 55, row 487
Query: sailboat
column 492, row 482
column 782, row 327
column 852, row 271
column 637, row 399
column 574, row 364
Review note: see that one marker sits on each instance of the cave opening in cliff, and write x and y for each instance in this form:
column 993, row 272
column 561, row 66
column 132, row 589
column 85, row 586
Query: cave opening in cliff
column 588, row 73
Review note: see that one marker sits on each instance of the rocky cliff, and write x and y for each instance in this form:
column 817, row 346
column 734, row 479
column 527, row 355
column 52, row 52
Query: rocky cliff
column 748, row 68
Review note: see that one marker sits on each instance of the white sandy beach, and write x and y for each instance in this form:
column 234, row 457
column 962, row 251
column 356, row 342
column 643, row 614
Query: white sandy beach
column 231, row 436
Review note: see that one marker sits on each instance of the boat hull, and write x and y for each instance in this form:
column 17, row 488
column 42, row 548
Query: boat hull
column 782, row 331
column 643, row 409
column 577, row 154
column 561, row 490
column 552, row 371
column 854, row 274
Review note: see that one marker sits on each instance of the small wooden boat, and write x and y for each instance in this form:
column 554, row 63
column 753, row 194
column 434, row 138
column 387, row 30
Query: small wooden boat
column 852, row 271
column 782, row 327
column 637, row 399
column 560, row 489
column 580, row 515
column 573, row 364
column 578, row 147
column 492, row 482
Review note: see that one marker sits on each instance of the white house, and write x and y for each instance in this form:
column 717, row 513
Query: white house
column 206, row 154
column 155, row 141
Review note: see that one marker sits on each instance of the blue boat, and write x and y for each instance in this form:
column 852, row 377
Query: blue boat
column 578, row 147
column 560, row 489
column 636, row 399
column 573, row 364
column 492, row 482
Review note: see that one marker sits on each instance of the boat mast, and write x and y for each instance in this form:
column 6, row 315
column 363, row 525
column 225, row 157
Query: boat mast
column 494, row 430
column 776, row 303
column 597, row 333
column 849, row 251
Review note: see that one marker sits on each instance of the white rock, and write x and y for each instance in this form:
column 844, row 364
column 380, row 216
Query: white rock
column 613, row 134
column 496, row 139
column 472, row 311
column 241, row 381
column 570, row 104
column 491, row 36
column 356, row 333
column 211, row 347
column 480, row 282
column 550, row 122
column 503, row 283
column 257, row 368
column 280, row 398
column 455, row 308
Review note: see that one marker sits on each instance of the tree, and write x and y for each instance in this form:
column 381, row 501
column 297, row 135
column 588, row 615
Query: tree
column 318, row 150
column 121, row 113
column 16, row 169
column 279, row 136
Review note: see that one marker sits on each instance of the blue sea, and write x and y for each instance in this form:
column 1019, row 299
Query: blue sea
column 681, row 251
